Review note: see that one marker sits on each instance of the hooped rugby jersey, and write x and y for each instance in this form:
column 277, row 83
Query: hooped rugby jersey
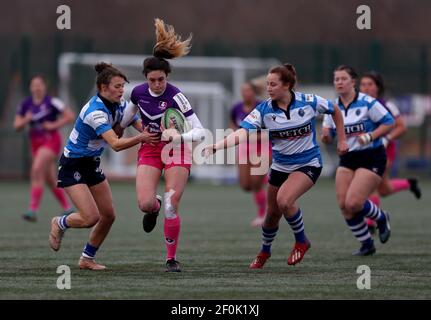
column 95, row 118
column 363, row 115
column 292, row 132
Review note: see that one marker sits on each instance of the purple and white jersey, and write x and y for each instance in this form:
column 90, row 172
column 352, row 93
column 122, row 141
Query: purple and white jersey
column 238, row 114
column 391, row 107
column 152, row 107
column 48, row 110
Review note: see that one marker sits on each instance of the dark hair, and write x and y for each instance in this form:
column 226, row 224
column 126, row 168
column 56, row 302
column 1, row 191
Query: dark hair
column 287, row 74
column 168, row 46
column 105, row 72
column 353, row 74
column 378, row 80
column 40, row 76
column 155, row 63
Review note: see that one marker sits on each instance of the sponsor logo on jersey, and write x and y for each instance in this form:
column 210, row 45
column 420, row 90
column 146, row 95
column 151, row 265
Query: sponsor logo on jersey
column 292, row 133
column 354, row 129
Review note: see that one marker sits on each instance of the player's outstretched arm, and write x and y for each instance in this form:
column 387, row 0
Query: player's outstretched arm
column 118, row 144
column 231, row 140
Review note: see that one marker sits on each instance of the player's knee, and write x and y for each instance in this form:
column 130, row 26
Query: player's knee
column 36, row 172
column 91, row 221
column 108, row 216
column 146, row 205
column 353, row 205
column 273, row 217
column 285, row 204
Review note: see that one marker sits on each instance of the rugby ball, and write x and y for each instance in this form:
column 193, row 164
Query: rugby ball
column 177, row 118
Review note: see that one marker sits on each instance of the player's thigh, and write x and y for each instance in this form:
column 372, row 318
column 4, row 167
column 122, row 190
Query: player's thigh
column 294, row 187
column 43, row 159
column 147, row 179
column 83, row 201
column 52, row 175
column 343, row 179
column 363, row 184
column 103, row 197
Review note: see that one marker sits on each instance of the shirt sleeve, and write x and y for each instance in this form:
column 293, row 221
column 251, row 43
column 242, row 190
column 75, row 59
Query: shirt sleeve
column 99, row 121
column 393, row 109
column 378, row 113
column 253, row 119
column 58, row 104
column 324, row 105
column 183, row 104
column 328, row 122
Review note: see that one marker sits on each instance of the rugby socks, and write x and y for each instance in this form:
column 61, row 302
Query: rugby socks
column 297, row 225
column 268, row 236
column 360, row 230
column 370, row 210
column 35, row 197
column 260, row 200
column 400, row 184
column 62, row 223
column 172, row 232
column 89, row 251
column 376, row 200
column 60, row 195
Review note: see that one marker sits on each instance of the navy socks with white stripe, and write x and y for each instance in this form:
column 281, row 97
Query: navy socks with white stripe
column 62, row 222
column 89, row 251
column 358, row 225
column 297, row 225
column 268, row 236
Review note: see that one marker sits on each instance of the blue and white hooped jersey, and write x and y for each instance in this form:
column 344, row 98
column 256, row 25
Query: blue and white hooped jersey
column 292, row 132
column 85, row 140
column 363, row 115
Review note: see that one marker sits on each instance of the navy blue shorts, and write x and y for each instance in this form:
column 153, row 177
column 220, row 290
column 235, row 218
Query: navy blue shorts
column 372, row 159
column 84, row 170
column 277, row 178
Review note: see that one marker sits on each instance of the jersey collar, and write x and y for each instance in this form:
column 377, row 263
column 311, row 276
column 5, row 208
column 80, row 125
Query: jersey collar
column 274, row 104
column 348, row 106
column 111, row 106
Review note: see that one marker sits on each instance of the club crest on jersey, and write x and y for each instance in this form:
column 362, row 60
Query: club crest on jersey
column 274, row 117
column 301, row 112
column 358, row 112
column 163, row 105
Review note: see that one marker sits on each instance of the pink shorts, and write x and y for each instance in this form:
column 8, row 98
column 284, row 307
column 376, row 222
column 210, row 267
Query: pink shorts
column 164, row 156
column 391, row 151
column 50, row 140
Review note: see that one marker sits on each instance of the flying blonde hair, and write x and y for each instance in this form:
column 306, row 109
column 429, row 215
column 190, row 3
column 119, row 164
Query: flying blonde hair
column 169, row 44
